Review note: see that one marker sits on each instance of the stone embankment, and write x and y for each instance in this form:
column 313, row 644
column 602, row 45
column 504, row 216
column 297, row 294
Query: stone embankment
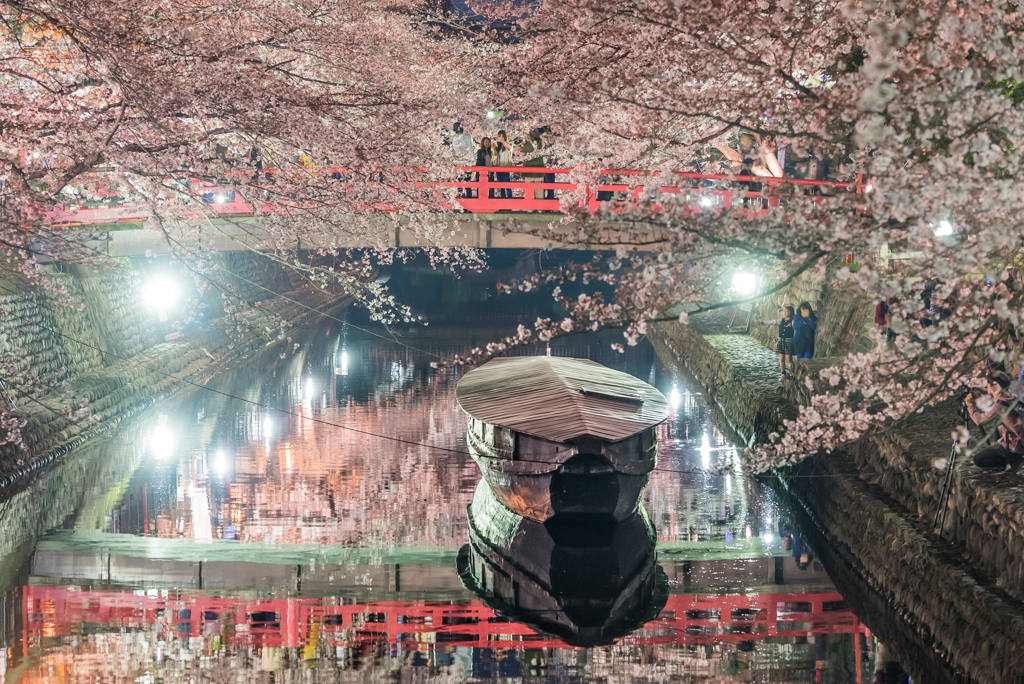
column 107, row 359
column 875, row 502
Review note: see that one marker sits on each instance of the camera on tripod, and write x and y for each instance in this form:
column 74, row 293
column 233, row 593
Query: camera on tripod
column 962, row 411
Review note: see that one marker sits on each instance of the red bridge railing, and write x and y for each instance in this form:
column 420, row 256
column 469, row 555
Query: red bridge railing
column 480, row 193
column 293, row 622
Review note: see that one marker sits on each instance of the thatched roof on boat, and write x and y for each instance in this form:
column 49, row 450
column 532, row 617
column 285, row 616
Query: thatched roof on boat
column 560, row 399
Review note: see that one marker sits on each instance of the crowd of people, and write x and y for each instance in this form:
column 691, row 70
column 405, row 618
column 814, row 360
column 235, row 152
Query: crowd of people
column 502, row 153
column 998, row 410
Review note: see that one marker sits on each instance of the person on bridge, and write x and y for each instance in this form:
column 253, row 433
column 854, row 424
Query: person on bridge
column 755, row 157
column 503, row 157
column 462, row 152
column 805, row 325
column 532, row 145
column 484, row 158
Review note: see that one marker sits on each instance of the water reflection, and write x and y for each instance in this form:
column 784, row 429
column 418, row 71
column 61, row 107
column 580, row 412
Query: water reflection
column 310, row 517
column 582, row 582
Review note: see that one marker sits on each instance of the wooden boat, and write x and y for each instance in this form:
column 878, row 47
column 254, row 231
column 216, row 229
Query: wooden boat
column 583, row 583
column 556, row 436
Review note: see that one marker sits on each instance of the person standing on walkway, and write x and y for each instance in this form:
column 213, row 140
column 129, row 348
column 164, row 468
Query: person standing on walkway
column 883, row 317
column 503, row 157
column 805, row 325
column 484, row 158
column 784, row 347
column 462, row 152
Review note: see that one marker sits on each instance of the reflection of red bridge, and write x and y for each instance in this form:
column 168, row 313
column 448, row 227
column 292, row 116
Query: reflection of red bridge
column 686, row 619
column 690, row 188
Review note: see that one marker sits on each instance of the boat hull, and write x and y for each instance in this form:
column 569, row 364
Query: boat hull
column 586, row 584
column 584, row 485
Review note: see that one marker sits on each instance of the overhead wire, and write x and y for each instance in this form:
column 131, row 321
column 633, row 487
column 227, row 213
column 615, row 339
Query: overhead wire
column 320, row 420
column 333, row 318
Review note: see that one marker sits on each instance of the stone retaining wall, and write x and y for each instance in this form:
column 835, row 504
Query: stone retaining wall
column 972, row 625
column 845, row 316
column 132, row 371
column 986, row 511
column 740, row 374
column 877, row 500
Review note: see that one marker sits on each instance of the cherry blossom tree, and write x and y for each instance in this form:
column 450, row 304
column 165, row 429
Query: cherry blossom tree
column 913, row 104
column 325, row 117
column 113, row 102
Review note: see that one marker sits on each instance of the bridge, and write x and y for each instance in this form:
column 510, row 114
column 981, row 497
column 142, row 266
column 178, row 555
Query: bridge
column 56, row 611
column 482, row 218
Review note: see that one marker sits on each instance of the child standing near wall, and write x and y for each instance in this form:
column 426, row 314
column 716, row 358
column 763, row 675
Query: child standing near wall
column 784, row 347
column 805, row 325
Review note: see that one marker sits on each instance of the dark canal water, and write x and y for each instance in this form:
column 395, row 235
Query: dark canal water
column 303, row 522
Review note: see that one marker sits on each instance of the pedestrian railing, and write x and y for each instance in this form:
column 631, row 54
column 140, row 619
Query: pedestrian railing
column 529, row 189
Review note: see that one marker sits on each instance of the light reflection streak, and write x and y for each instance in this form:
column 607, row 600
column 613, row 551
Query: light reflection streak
column 161, row 439
column 675, row 399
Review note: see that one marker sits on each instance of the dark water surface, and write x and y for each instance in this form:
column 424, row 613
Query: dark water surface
column 307, row 528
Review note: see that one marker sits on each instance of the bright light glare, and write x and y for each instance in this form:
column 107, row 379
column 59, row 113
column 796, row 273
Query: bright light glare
column 707, row 201
column 268, row 426
column 767, row 537
column 705, row 451
column 675, row 398
column 221, row 464
column 490, row 113
column 309, row 387
column 161, row 440
column 161, row 292
column 744, row 283
column 945, row 228
column 221, row 198
column 344, row 363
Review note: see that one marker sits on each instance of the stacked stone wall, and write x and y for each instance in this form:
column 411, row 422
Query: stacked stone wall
column 250, row 276
column 115, row 310
column 34, row 355
column 877, row 501
column 971, row 624
column 845, row 316
column 746, row 391
column 96, row 389
column 986, row 511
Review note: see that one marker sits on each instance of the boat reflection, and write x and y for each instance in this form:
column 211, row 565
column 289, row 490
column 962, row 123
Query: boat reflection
column 582, row 580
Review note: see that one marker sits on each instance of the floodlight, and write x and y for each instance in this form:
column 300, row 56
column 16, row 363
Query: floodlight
column 161, row 293
column 744, row 283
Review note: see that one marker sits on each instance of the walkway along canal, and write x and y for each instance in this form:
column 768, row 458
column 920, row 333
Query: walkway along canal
column 308, row 513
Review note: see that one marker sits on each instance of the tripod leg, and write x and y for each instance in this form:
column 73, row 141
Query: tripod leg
column 944, row 500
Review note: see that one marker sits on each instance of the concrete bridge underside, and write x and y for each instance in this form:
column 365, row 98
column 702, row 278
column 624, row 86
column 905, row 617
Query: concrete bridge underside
column 484, row 231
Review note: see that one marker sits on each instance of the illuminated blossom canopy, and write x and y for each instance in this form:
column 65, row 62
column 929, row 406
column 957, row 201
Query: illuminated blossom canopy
column 922, row 99
column 919, row 98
